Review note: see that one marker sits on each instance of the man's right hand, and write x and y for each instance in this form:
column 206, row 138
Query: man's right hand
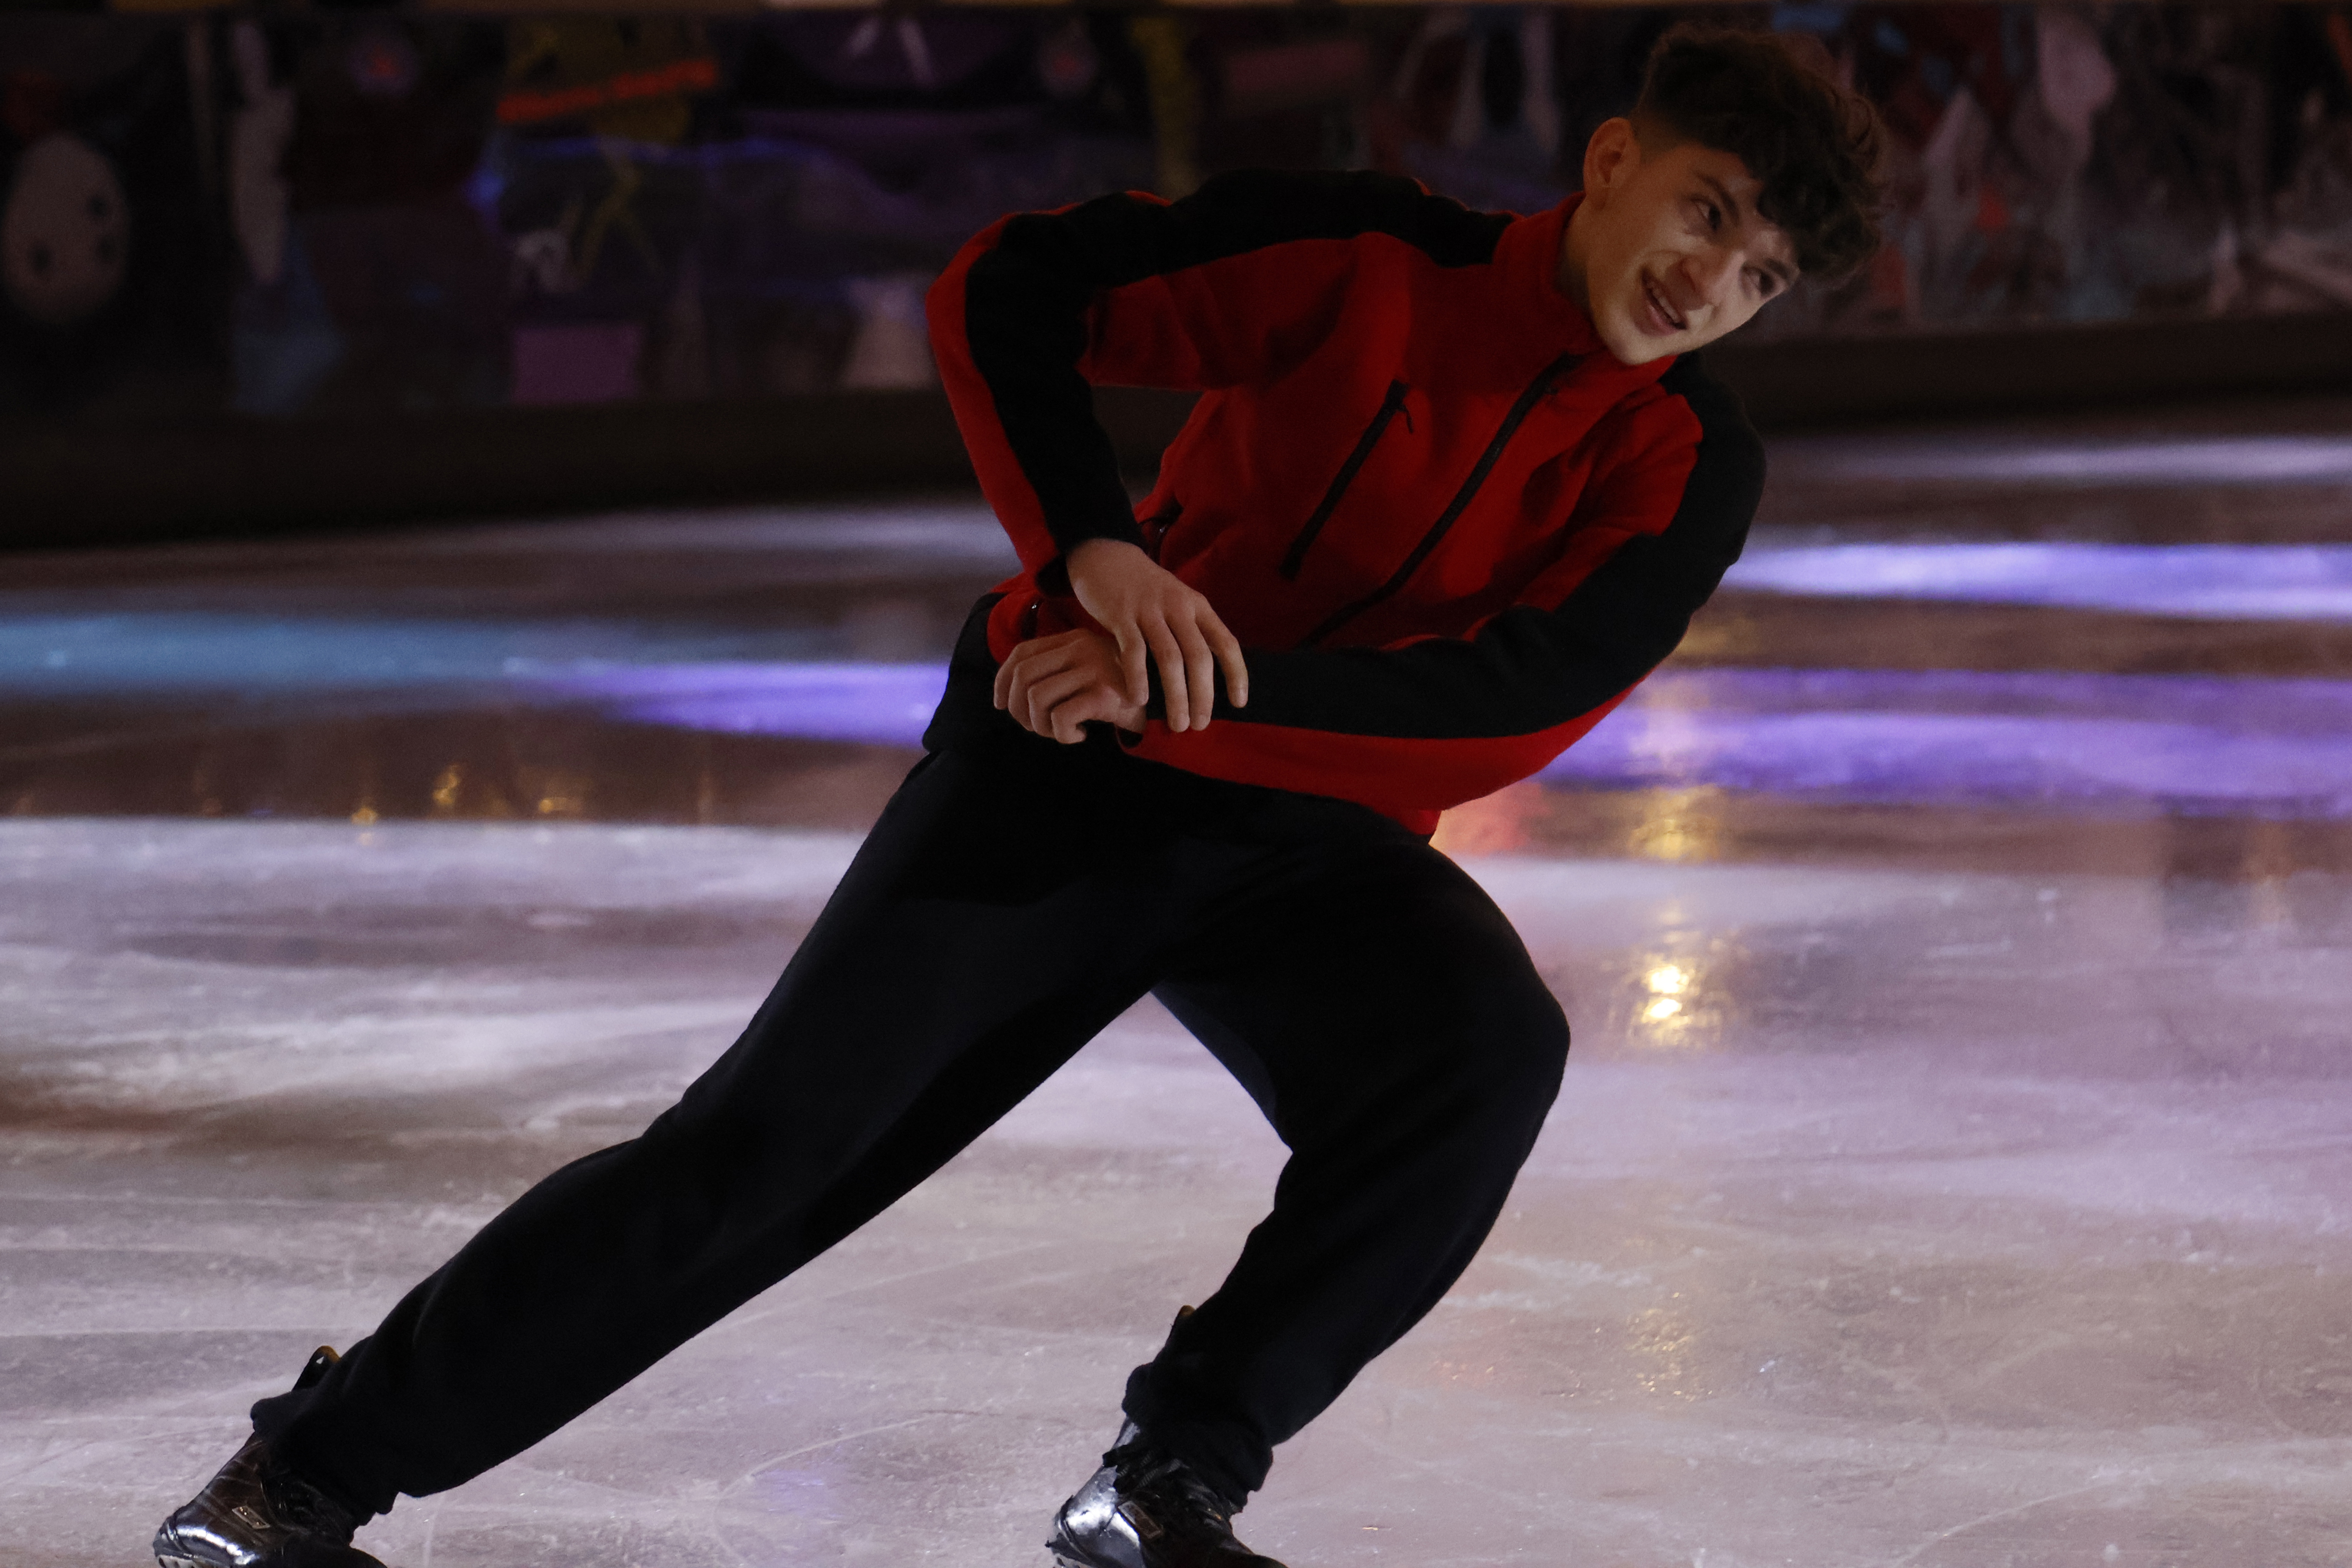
column 1151, row 612
column 1053, row 686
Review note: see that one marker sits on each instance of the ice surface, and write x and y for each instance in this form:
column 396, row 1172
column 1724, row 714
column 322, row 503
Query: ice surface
column 1954, row 1168
column 1945, row 1218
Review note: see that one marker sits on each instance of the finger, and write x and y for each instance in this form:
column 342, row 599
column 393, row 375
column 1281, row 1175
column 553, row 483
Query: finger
column 1047, row 694
column 1200, row 674
column 1004, row 676
column 1022, row 705
column 1170, row 654
column 1108, row 697
column 1069, row 716
column 1065, row 715
column 1229, row 654
column 1012, row 672
column 1039, row 659
column 1103, row 701
column 1134, row 663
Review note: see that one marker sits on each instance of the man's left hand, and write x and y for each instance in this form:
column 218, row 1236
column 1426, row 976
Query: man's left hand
column 1052, row 685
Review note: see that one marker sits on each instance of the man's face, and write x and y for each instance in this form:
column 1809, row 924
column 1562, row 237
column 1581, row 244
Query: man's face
column 1668, row 251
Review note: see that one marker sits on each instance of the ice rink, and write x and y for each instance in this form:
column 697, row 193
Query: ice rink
column 1954, row 1168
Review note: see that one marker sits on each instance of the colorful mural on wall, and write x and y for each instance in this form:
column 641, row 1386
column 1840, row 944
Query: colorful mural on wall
column 371, row 210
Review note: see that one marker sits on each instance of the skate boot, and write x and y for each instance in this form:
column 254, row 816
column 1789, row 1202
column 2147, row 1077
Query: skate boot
column 257, row 1515
column 1147, row 1510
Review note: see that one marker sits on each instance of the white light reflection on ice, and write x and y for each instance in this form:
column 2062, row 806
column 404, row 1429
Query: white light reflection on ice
column 1668, row 1014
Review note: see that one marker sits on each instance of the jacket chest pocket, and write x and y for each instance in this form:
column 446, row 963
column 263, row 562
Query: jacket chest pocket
column 1536, row 391
column 1391, row 407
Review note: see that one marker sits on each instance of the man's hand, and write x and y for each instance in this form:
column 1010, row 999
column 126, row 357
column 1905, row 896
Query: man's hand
column 1052, row 685
column 1152, row 614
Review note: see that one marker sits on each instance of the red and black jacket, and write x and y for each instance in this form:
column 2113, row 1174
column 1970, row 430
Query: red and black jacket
column 1450, row 530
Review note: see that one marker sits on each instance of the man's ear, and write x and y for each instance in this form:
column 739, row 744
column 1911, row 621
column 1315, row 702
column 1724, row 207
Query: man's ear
column 1610, row 159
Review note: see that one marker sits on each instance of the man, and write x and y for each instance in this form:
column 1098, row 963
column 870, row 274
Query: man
column 1452, row 486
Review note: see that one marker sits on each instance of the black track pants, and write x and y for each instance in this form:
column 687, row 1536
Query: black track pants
column 1015, row 897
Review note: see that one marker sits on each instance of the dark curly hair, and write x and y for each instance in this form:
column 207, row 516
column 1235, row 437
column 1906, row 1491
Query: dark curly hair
column 1812, row 145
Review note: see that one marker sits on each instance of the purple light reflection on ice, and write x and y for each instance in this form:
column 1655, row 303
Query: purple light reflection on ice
column 1950, row 737
column 2188, row 743
column 878, row 704
column 2220, row 701
column 2206, row 582
column 1959, row 759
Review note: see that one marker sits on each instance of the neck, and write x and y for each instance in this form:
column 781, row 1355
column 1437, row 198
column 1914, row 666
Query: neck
column 1575, row 246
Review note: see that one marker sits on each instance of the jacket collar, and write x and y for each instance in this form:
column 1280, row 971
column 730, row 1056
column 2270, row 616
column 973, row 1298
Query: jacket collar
column 1528, row 259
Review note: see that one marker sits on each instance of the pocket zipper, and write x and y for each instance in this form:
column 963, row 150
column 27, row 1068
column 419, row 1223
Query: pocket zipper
column 1536, row 391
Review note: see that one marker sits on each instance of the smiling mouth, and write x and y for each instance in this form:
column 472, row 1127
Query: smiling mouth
column 1665, row 313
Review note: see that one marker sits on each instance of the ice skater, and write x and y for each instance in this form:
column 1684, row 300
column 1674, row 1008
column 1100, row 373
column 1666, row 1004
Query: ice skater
column 1454, row 484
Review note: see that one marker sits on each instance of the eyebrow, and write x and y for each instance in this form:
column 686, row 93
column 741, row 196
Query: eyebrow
column 1776, row 268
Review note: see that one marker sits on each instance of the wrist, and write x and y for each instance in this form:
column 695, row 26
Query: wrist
column 1090, row 555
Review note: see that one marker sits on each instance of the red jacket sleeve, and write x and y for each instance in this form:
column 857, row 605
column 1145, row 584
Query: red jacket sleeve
column 1434, row 722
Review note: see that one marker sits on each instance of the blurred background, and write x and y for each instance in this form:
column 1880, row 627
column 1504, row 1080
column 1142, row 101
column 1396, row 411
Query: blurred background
column 531, row 255
column 480, row 540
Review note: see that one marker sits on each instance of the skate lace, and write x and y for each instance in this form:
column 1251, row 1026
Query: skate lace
column 1144, row 1467
column 304, row 1506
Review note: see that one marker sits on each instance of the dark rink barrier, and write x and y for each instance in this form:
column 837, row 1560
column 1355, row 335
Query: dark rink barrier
column 345, row 266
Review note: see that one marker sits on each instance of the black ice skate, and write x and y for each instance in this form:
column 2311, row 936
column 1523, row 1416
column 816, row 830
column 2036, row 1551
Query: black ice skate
column 257, row 1515
column 1146, row 1510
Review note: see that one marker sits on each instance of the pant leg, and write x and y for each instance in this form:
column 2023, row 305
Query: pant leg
column 1389, row 1021
column 1009, row 903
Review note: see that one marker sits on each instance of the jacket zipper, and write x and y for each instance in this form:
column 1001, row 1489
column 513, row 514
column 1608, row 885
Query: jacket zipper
column 1537, row 390
column 1391, row 407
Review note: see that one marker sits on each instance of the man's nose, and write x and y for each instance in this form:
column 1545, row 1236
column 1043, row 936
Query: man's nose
column 1712, row 272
